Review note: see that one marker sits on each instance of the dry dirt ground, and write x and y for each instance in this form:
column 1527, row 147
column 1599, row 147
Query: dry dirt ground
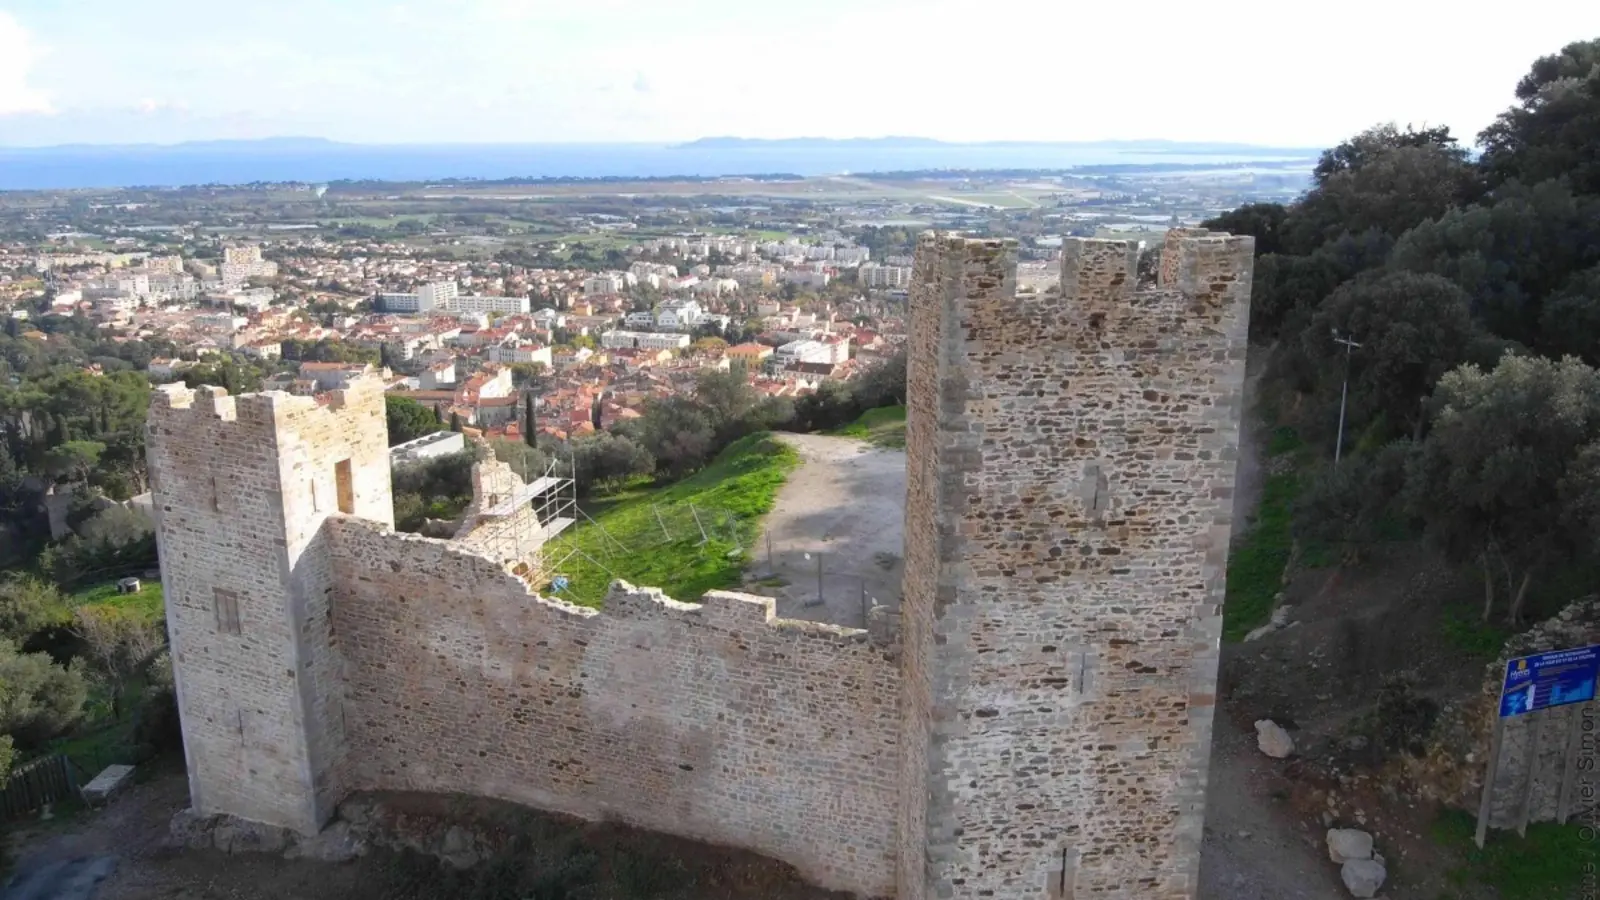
column 57, row 860
column 842, row 512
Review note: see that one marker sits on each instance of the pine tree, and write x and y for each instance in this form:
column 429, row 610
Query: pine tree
column 455, row 420
column 529, row 432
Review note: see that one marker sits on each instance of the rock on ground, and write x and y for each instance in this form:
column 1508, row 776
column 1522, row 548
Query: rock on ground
column 1363, row 876
column 1348, row 843
column 1273, row 740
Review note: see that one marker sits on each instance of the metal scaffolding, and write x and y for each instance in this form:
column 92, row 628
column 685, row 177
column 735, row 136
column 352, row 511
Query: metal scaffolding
column 517, row 520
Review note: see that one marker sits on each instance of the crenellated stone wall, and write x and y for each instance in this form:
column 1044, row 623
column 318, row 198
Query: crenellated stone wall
column 1035, row 726
column 1071, row 474
column 714, row 721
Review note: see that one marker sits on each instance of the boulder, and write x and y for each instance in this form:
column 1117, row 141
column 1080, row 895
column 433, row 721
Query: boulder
column 1273, row 740
column 334, row 844
column 191, row 830
column 1363, row 877
column 1348, row 843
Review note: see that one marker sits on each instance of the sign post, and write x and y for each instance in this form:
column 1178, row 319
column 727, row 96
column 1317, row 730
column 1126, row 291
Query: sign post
column 1534, row 683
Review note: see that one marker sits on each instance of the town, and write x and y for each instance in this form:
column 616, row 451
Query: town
column 494, row 327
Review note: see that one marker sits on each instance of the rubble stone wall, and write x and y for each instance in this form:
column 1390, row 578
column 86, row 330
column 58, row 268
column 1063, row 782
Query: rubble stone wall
column 713, row 721
column 1069, row 509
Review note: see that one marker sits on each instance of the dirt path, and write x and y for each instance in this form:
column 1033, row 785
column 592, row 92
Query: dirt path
column 1255, row 848
column 841, row 515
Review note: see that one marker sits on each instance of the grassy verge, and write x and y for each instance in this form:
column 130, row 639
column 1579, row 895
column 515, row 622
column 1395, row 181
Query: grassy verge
column 1255, row 565
column 1548, row 864
column 882, row 427
column 687, row 538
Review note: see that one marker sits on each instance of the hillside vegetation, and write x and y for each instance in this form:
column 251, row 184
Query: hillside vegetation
column 883, row 427
column 1472, row 287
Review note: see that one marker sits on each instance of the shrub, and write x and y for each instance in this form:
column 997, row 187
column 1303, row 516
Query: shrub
column 41, row 699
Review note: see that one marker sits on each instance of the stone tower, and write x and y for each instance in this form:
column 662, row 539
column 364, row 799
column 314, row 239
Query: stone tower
column 1071, row 464
column 241, row 489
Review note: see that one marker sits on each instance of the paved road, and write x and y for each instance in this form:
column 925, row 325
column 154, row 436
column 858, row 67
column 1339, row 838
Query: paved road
column 61, row 879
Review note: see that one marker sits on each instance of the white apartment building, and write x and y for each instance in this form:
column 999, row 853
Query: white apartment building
column 643, row 340
column 872, row 275
column 220, row 321
column 806, row 351
column 505, row 305
column 679, row 315
column 446, row 296
column 241, row 256
column 608, row 283
column 805, row 279
column 522, row 353
column 851, row 256
column 641, row 319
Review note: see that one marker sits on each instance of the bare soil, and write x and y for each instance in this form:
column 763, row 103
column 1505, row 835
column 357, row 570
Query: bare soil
column 131, row 832
column 840, row 514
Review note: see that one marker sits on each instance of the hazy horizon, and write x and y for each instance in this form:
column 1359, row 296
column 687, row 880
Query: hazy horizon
column 619, row 71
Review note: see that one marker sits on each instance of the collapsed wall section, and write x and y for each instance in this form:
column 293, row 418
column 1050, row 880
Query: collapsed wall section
column 713, row 721
column 1069, row 509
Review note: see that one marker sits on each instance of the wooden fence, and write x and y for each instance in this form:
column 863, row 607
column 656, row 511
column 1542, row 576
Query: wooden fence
column 34, row 784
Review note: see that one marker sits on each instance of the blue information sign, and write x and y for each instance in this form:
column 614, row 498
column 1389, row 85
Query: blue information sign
column 1549, row 679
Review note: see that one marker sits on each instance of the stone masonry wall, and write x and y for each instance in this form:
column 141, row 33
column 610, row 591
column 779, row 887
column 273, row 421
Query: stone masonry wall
column 241, row 486
column 1061, row 653
column 711, row 721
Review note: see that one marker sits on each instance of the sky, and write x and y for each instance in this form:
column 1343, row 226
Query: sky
column 1291, row 73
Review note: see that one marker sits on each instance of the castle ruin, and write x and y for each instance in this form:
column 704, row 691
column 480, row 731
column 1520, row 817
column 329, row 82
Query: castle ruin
column 1037, row 727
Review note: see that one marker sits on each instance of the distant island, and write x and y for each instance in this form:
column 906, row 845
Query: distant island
column 1144, row 145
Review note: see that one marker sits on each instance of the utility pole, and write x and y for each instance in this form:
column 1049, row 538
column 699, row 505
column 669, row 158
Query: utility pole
column 1344, row 392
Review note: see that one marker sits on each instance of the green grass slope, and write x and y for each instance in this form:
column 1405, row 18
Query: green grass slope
column 882, row 427
column 686, row 538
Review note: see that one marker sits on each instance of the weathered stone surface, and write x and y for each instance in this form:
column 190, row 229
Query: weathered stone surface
column 104, row 786
column 335, row 844
column 190, row 829
column 1273, row 740
column 1363, row 877
column 1348, row 843
column 1037, row 720
column 1070, row 468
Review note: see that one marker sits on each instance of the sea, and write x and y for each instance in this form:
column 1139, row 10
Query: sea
column 313, row 161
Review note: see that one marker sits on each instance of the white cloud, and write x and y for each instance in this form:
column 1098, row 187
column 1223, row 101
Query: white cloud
column 18, row 53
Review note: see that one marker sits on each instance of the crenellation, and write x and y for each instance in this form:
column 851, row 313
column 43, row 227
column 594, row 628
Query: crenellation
column 1033, row 721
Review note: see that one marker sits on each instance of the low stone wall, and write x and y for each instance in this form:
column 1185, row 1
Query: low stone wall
column 710, row 721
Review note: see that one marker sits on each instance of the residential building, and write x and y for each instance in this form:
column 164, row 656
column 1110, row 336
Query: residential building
column 751, row 354
column 872, row 275
column 805, row 351
column 429, row 446
column 332, row 376
column 608, row 283
column 520, row 353
column 644, row 340
column 679, row 315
